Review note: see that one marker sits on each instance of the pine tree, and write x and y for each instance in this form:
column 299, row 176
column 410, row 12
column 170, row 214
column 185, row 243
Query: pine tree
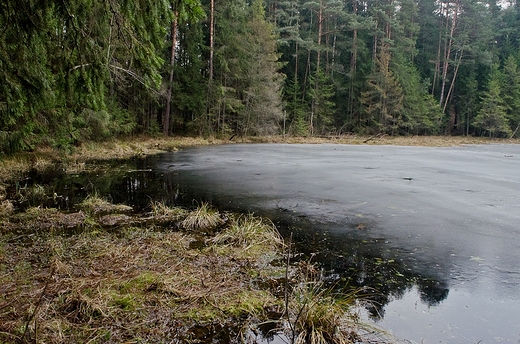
column 321, row 120
column 420, row 114
column 469, row 102
column 184, row 11
column 188, row 89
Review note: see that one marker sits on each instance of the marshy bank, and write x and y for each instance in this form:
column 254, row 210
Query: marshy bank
column 80, row 268
column 102, row 274
column 106, row 274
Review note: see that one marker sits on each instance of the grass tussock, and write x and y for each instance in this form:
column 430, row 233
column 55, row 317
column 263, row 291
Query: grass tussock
column 318, row 312
column 162, row 212
column 249, row 234
column 204, row 217
column 32, row 194
column 95, row 205
column 6, row 208
column 317, row 315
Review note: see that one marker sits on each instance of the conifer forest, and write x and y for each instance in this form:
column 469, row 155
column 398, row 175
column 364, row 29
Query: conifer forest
column 80, row 70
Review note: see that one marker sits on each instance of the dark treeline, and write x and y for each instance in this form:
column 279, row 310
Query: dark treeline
column 77, row 70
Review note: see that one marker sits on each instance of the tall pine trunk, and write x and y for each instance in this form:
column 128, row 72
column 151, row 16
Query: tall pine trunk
column 318, row 58
column 447, row 51
column 209, row 99
column 211, row 39
column 353, row 65
column 166, row 116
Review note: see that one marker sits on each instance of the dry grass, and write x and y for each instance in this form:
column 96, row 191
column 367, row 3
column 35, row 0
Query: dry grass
column 431, row 141
column 147, row 283
column 250, row 235
column 6, row 208
column 135, row 147
column 95, row 205
column 318, row 316
column 204, row 217
column 320, row 313
column 15, row 166
column 162, row 212
column 42, row 220
column 143, row 284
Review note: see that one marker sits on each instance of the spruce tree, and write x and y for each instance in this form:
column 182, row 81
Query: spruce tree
column 492, row 117
column 262, row 95
column 510, row 92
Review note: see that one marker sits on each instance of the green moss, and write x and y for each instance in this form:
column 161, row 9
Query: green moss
column 126, row 302
column 140, row 283
column 248, row 302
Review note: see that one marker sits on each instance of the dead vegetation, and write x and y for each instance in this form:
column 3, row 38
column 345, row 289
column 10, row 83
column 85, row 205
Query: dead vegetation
column 78, row 159
column 381, row 139
column 202, row 218
column 74, row 278
column 95, row 205
column 134, row 283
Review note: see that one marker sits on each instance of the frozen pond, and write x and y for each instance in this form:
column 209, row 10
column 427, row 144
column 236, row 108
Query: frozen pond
column 439, row 227
column 436, row 231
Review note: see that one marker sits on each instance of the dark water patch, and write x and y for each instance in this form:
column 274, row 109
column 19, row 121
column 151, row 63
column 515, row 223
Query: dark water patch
column 349, row 255
column 350, row 252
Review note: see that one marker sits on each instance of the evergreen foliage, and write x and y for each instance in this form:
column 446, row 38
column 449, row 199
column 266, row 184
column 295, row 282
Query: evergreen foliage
column 78, row 70
column 492, row 117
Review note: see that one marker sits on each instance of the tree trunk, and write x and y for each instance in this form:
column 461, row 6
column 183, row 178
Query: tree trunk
column 333, row 57
column 307, row 71
column 320, row 33
column 353, row 65
column 209, row 100
column 447, row 51
column 453, row 81
column 211, row 39
column 166, row 116
column 316, row 83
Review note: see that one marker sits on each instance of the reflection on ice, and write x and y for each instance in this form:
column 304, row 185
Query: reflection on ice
column 462, row 317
